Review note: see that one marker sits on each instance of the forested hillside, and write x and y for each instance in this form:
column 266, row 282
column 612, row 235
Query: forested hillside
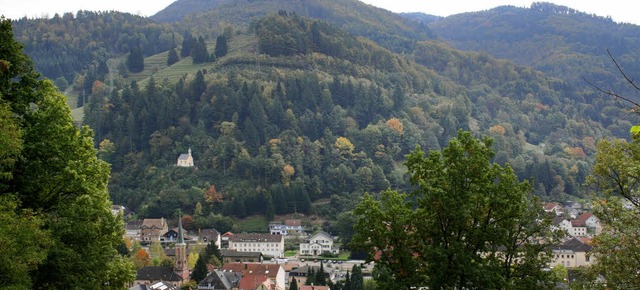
column 301, row 107
column 557, row 40
column 63, row 46
column 388, row 29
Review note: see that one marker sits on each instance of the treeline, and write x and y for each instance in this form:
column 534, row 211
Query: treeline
column 63, row 46
column 305, row 36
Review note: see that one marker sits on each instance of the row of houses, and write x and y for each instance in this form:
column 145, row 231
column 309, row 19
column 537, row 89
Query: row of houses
column 231, row 276
column 572, row 221
column 157, row 230
column 580, row 226
column 271, row 245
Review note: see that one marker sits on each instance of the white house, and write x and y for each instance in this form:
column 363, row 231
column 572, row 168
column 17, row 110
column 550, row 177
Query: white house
column 185, row 160
column 590, row 223
column 562, row 223
column 268, row 245
column 318, row 244
column 578, row 228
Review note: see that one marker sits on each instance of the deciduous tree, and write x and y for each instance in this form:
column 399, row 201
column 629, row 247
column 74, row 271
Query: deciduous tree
column 57, row 177
column 469, row 223
column 616, row 175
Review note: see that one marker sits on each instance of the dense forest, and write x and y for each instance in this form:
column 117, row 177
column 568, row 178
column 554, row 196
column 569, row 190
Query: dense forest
column 303, row 107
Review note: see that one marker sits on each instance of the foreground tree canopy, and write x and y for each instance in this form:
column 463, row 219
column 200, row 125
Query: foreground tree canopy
column 469, row 223
column 53, row 189
column 616, row 174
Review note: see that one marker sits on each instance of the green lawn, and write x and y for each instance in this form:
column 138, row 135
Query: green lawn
column 290, row 253
column 252, row 224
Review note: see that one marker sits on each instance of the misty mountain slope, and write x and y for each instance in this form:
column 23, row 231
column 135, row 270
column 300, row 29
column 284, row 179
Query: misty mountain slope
column 558, row 40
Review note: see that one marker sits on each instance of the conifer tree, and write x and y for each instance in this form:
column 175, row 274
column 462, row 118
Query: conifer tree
column 357, row 280
column 187, row 45
column 199, row 51
column 200, row 270
column 135, row 60
column 294, row 284
column 173, row 57
column 221, row 48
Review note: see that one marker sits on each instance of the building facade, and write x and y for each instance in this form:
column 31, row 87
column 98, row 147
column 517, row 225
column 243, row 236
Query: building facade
column 153, row 229
column 319, row 243
column 185, row 160
column 268, row 245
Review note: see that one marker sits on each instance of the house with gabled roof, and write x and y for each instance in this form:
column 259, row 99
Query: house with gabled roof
column 156, row 286
column 591, row 222
column 257, row 282
column 562, row 223
column 318, row 244
column 152, row 274
column 207, row 236
column 572, row 253
column 553, row 207
column 221, row 280
column 153, row 229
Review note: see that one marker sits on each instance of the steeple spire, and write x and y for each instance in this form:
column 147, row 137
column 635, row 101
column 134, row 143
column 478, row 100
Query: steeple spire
column 180, row 233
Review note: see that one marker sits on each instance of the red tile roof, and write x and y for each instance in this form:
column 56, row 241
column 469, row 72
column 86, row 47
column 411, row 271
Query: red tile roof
column 253, row 282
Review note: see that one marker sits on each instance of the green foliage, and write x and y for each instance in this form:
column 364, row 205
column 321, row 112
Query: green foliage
column 199, row 52
column 263, row 128
column 357, row 280
column 222, row 46
column 173, row 56
column 294, row 284
column 615, row 174
column 388, row 29
column 135, row 60
column 212, row 255
column 10, row 142
column 59, row 179
column 470, row 222
column 200, row 270
column 64, row 45
column 24, row 244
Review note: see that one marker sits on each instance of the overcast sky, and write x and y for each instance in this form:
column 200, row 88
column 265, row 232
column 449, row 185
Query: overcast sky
column 619, row 10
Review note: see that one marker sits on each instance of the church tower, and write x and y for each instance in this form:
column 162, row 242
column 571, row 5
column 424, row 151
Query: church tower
column 181, row 267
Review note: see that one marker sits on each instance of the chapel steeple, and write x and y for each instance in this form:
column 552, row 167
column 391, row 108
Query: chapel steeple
column 181, row 266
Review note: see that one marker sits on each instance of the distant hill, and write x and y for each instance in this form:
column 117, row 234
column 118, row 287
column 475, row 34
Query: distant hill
column 177, row 10
column 421, row 17
column 384, row 27
column 558, row 40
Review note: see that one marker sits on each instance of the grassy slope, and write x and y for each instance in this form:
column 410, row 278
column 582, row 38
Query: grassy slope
column 240, row 46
